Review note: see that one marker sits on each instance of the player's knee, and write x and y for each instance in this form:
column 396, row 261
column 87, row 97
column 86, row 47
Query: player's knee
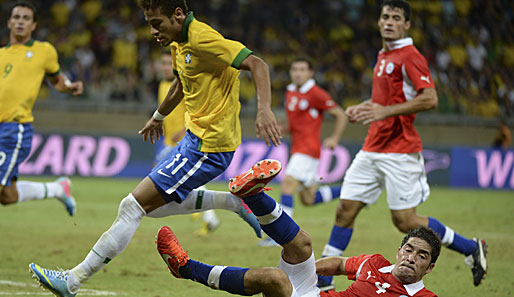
column 276, row 282
column 302, row 246
column 404, row 224
column 7, row 198
column 344, row 215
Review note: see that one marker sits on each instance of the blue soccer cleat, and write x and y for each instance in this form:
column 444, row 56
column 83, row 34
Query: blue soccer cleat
column 66, row 198
column 53, row 280
column 247, row 215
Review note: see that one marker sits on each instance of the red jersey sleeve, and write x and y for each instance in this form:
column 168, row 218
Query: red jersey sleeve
column 416, row 68
column 353, row 264
column 323, row 100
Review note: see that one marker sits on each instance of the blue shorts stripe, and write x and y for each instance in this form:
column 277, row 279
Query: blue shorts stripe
column 188, row 175
column 185, row 168
column 14, row 161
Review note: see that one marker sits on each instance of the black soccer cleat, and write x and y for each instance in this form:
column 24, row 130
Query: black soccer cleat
column 478, row 261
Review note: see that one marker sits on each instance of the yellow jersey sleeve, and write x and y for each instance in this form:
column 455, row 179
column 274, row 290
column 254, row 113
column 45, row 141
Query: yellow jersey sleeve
column 52, row 62
column 219, row 50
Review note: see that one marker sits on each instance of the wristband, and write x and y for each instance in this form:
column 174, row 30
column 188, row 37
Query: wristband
column 158, row 116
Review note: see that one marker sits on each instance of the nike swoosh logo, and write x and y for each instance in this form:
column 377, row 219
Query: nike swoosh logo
column 162, row 173
column 259, row 185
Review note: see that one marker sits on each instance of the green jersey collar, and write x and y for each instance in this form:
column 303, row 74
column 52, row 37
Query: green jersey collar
column 185, row 28
column 28, row 43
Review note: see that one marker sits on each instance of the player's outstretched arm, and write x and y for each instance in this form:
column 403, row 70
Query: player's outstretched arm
column 64, row 85
column 153, row 127
column 266, row 123
column 330, row 266
column 341, row 121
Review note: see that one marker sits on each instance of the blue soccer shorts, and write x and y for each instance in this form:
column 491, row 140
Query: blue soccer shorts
column 15, row 142
column 185, row 168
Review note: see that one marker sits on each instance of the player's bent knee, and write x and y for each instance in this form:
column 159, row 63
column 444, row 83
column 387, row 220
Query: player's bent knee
column 6, row 199
column 276, row 283
column 404, row 224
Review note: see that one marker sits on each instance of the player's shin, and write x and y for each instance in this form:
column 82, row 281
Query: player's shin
column 273, row 220
column 226, row 278
column 197, row 201
column 110, row 244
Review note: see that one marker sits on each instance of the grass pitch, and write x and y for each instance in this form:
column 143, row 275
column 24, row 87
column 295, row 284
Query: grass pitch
column 42, row 232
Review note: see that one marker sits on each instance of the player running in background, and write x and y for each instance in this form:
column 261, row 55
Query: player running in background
column 305, row 104
column 23, row 65
column 296, row 272
column 174, row 131
column 391, row 155
column 207, row 66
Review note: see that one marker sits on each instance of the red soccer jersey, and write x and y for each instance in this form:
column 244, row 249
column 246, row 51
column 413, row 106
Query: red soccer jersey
column 305, row 107
column 398, row 76
column 373, row 277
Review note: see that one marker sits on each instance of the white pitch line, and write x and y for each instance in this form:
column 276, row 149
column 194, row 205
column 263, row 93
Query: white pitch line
column 86, row 292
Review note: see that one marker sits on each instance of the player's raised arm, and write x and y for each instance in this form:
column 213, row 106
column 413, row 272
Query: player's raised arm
column 153, row 127
column 64, row 85
column 266, row 123
column 330, row 266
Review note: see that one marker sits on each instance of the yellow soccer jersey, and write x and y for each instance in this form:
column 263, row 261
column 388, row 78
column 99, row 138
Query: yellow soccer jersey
column 174, row 122
column 208, row 67
column 22, row 69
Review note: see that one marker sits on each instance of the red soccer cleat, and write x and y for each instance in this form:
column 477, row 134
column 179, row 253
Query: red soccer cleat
column 171, row 251
column 255, row 179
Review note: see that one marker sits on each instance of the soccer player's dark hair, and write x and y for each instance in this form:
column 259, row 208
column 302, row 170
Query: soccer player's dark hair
column 304, row 59
column 430, row 237
column 167, row 7
column 27, row 4
column 402, row 4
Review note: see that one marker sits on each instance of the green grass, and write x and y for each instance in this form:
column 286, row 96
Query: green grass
column 42, row 232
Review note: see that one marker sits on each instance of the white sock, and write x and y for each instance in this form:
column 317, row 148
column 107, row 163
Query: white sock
column 329, row 251
column 326, row 193
column 110, row 244
column 288, row 210
column 199, row 200
column 36, row 191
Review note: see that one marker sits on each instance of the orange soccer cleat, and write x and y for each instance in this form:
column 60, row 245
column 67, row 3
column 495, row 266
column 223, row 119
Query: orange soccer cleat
column 171, row 251
column 255, row 179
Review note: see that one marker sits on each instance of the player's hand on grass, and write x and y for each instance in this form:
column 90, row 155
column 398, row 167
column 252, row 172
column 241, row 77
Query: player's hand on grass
column 153, row 128
column 267, row 127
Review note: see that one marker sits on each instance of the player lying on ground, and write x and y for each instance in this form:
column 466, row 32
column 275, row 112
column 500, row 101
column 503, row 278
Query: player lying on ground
column 296, row 271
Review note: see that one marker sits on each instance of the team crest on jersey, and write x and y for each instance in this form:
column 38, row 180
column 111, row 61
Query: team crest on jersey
column 29, row 55
column 188, row 58
column 389, row 67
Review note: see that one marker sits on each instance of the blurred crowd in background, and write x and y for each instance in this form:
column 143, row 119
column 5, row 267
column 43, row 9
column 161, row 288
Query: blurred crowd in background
column 469, row 46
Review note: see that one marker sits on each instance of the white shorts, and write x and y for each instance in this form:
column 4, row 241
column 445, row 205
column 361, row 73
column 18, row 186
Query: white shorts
column 303, row 168
column 302, row 276
column 402, row 175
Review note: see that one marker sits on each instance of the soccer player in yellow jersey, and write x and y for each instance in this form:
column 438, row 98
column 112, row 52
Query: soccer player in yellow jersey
column 174, row 130
column 23, row 65
column 207, row 67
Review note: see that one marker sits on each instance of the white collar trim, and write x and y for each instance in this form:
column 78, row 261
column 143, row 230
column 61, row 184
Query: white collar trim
column 396, row 44
column 304, row 88
column 412, row 289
